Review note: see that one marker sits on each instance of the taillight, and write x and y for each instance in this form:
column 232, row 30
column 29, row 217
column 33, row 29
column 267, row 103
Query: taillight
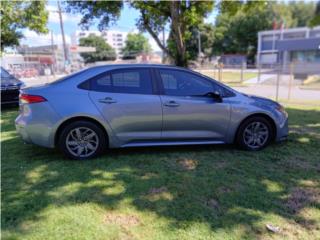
column 26, row 98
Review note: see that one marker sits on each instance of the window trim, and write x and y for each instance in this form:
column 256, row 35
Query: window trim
column 154, row 89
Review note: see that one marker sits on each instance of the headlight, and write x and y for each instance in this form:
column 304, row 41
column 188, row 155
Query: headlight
column 281, row 109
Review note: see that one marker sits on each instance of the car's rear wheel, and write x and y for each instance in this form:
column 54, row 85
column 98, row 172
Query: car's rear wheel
column 254, row 133
column 82, row 140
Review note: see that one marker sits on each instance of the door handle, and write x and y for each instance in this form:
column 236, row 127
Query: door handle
column 171, row 104
column 108, row 100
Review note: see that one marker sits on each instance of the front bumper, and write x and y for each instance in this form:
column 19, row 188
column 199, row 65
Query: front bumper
column 282, row 132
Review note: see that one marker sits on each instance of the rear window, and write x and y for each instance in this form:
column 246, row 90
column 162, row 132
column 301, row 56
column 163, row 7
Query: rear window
column 4, row 73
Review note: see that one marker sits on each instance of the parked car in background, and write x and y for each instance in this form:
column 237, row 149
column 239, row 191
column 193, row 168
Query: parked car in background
column 10, row 87
column 119, row 106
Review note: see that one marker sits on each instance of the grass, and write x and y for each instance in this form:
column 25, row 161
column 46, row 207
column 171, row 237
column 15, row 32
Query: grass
column 207, row 192
column 230, row 78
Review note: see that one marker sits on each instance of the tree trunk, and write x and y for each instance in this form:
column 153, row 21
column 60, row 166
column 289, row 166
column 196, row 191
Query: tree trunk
column 180, row 57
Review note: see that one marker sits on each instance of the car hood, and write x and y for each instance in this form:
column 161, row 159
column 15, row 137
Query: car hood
column 262, row 100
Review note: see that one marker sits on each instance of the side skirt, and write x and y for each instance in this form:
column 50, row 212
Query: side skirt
column 146, row 144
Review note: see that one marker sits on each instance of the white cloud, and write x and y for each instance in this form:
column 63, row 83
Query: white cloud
column 54, row 16
column 31, row 38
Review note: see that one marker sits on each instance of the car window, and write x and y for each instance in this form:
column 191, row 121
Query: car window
column 124, row 81
column 180, row 83
column 4, row 73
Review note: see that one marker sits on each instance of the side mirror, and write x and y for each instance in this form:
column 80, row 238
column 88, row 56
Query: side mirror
column 217, row 96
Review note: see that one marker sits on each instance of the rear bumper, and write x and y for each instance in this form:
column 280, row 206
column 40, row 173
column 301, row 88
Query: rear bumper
column 9, row 96
column 35, row 124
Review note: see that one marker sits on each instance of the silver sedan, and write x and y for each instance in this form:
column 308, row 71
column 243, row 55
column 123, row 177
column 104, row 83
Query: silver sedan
column 119, row 106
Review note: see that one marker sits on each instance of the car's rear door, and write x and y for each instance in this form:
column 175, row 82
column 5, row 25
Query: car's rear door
column 188, row 114
column 127, row 100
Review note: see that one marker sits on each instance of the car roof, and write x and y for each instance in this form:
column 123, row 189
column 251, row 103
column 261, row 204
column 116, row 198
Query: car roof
column 147, row 65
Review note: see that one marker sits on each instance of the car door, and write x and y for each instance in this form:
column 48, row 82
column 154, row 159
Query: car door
column 188, row 112
column 126, row 99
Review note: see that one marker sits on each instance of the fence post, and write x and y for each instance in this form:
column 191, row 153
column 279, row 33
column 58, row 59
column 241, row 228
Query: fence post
column 241, row 72
column 278, row 82
column 290, row 80
column 259, row 72
column 219, row 73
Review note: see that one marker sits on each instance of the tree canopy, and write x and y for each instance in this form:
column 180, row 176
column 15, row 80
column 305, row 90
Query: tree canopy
column 18, row 15
column 236, row 30
column 135, row 44
column 154, row 16
column 104, row 52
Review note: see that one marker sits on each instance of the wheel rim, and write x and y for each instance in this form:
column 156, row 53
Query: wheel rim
column 256, row 134
column 82, row 142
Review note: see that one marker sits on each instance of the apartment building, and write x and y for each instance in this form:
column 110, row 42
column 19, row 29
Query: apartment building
column 284, row 46
column 115, row 39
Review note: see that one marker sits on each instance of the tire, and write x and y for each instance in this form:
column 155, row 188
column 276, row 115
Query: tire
column 249, row 138
column 81, row 140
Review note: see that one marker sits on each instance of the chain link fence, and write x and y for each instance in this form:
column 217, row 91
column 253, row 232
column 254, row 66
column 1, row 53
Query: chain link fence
column 296, row 82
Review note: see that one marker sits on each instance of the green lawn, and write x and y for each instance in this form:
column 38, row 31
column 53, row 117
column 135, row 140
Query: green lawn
column 207, row 192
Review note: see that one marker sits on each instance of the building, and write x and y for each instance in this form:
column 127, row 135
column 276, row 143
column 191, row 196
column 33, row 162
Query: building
column 116, row 39
column 300, row 46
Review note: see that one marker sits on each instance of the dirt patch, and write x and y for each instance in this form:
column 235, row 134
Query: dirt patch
column 188, row 164
column 301, row 197
column 157, row 190
column 123, row 220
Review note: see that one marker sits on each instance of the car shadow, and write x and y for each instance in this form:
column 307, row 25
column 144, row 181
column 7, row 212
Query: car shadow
column 217, row 185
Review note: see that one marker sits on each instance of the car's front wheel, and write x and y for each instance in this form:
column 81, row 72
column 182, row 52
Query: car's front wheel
column 254, row 133
column 82, row 140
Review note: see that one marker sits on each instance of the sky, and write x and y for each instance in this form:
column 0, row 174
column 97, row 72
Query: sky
column 126, row 23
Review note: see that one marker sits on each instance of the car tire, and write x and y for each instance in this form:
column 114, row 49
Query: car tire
column 254, row 134
column 82, row 140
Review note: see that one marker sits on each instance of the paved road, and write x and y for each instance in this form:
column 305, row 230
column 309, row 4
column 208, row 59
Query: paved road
column 270, row 92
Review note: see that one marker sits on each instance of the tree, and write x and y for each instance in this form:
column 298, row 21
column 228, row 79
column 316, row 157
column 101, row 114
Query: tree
column 104, row 52
column 155, row 15
column 302, row 12
column 237, row 26
column 206, row 32
column 239, row 33
column 17, row 15
column 316, row 18
column 135, row 44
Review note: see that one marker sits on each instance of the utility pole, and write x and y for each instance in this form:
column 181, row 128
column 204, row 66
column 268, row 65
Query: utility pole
column 199, row 44
column 164, row 44
column 52, row 55
column 63, row 36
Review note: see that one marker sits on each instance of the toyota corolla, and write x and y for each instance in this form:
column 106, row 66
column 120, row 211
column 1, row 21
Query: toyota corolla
column 119, row 106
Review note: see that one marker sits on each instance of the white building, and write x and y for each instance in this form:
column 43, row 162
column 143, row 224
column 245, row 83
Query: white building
column 116, row 39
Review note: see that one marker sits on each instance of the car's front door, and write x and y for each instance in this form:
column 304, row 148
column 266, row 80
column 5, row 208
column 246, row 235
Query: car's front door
column 127, row 101
column 188, row 113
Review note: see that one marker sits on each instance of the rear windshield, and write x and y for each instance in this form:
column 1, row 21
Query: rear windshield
column 4, row 73
column 68, row 76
